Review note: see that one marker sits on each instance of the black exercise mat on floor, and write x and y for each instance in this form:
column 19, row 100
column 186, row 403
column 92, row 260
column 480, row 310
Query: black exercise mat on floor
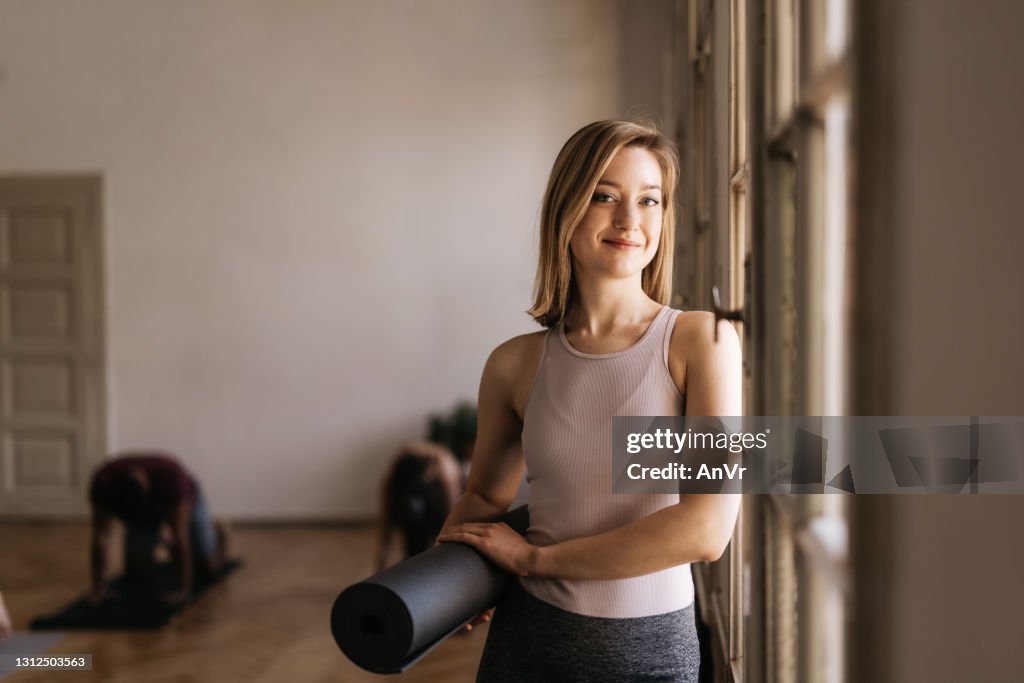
column 137, row 605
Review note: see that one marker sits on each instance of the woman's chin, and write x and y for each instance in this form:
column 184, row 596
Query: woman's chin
column 616, row 268
column 625, row 268
column 616, row 274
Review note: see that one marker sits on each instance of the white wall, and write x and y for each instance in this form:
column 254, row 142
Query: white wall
column 319, row 216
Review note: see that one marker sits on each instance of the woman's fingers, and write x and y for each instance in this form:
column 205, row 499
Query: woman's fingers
column 469, row 539
column 470, row 528
column 482, row 618
column 498, row 542
column 465, row 533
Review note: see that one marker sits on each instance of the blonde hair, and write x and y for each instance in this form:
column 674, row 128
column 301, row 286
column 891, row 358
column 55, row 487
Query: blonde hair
column 574, row 176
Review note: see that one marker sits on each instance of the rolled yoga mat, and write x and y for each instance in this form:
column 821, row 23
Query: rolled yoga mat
column 387, row 622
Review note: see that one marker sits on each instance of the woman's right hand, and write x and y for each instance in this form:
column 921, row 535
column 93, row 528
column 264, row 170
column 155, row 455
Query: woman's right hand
column 482, row 618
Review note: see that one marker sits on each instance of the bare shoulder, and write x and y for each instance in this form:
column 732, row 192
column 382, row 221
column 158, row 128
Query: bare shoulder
column 513, row 364
column 707, row 369
column 512, row 357
column 694, row 335
column 693, row 344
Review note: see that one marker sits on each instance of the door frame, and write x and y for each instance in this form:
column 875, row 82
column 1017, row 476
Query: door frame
column 84, row 191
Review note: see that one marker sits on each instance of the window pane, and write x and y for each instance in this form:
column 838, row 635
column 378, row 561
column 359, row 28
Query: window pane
column 835, row 271
column 836, row 28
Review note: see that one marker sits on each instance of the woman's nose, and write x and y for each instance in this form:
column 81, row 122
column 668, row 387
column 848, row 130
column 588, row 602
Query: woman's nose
column 627, row 217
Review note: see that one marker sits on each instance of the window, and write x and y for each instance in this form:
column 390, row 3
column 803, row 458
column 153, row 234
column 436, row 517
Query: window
column 806, row 131
column 765, row 134
column 713, row 248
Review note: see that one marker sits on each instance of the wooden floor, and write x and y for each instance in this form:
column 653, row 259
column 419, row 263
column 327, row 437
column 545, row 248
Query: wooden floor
column 267, row 623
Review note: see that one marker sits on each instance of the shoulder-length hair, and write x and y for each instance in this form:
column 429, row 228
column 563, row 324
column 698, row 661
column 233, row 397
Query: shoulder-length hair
column 578, row 167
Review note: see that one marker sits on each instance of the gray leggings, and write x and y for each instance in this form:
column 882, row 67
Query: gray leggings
column 530, row 640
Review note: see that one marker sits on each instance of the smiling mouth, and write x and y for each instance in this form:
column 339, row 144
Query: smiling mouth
column 622, row 244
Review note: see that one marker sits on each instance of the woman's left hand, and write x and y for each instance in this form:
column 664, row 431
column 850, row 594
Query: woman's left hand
column 496, row 541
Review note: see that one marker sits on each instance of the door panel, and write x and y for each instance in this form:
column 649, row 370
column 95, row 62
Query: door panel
column 51, row 350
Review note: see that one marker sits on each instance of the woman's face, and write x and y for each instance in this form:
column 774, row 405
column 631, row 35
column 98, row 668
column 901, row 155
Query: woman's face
column 619, row 233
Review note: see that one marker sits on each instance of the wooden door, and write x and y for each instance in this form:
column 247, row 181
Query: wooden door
column 51, row 344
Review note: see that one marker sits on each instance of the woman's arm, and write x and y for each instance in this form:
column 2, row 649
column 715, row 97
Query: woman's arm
column 697, row 528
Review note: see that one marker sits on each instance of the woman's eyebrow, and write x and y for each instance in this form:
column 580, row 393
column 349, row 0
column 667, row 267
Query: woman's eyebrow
column 614, row 184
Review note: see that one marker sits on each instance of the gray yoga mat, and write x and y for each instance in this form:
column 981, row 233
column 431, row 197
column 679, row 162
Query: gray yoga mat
column 387, row 622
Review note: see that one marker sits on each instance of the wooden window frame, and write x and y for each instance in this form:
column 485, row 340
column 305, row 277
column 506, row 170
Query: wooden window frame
column 806, row 575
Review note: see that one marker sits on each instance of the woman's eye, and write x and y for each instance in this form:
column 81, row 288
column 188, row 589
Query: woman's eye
column 649, row 201
column 602, row 197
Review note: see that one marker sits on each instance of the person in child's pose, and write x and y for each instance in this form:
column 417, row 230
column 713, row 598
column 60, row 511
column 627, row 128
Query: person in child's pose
column 148, row 493
column 416, row 497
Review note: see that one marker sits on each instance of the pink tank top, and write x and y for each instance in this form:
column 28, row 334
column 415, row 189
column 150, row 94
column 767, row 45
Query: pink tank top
column 567, row 437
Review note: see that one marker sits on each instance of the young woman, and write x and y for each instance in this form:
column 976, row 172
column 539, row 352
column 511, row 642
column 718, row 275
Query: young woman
column 605, row 591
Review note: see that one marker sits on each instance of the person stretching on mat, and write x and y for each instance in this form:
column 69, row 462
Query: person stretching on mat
column 605, row 591
column 416, row 497
column 148, row 492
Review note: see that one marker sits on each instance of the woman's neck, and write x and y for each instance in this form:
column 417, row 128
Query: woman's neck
column 607, row 305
